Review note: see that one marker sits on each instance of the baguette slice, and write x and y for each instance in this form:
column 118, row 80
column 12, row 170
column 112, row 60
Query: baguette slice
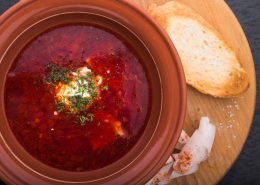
column 209, row 64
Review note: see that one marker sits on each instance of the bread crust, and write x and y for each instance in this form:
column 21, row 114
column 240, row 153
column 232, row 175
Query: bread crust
column 231, row 85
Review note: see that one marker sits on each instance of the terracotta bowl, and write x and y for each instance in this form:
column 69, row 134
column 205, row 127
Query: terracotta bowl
column 27, row 19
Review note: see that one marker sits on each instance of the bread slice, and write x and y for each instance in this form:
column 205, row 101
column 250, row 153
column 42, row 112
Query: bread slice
column 209, row 64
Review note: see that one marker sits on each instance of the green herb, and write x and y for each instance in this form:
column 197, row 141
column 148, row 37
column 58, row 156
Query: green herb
column 105, row 87
column 78, row 100
column 78, row 103
column 82, row 119
column 56, row 74
column 90, row 116
column 81, row 91
column 60, row 106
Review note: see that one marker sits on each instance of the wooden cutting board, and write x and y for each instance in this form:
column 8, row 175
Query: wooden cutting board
column 232, row 116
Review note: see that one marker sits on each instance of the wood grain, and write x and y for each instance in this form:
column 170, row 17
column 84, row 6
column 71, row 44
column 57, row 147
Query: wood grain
column 232, row 116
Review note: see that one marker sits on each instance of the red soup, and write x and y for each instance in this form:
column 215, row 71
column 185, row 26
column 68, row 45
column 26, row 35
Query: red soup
column 77, row 97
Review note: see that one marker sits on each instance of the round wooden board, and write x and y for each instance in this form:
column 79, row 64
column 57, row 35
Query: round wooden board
column 232, row 116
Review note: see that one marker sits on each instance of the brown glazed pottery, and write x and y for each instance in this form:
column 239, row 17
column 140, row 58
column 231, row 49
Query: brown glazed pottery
column 29, row 18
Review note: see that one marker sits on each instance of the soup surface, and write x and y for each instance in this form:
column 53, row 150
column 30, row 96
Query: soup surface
column 77, row 97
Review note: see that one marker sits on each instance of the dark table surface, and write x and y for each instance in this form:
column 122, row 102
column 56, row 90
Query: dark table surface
column 246, row 169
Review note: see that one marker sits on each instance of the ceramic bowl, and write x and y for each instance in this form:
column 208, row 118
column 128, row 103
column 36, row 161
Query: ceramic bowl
column 29, row 18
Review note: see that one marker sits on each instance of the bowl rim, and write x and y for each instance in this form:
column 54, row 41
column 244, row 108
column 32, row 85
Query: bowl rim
column 167, row 40
column 16, row 157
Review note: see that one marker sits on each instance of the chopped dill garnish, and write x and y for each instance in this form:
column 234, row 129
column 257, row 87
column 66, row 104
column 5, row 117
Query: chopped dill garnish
column 55, row 74
column 75, row 91
column 78, row 103
column 60, row 106
column 88, row 118
column 82, row 119
column 105, row 87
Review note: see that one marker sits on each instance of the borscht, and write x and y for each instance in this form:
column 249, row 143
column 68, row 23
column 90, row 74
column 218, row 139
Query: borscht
column 77, row 97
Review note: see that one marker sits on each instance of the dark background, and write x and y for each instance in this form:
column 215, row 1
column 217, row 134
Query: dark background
column 246, row 169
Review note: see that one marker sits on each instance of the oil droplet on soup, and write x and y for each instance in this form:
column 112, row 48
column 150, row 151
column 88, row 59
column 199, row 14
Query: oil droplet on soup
column 77, row 97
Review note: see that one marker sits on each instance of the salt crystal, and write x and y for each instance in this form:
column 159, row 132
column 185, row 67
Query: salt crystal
column 231, row 114
column 237, row 106
column 229, row 106
column 230, row 126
